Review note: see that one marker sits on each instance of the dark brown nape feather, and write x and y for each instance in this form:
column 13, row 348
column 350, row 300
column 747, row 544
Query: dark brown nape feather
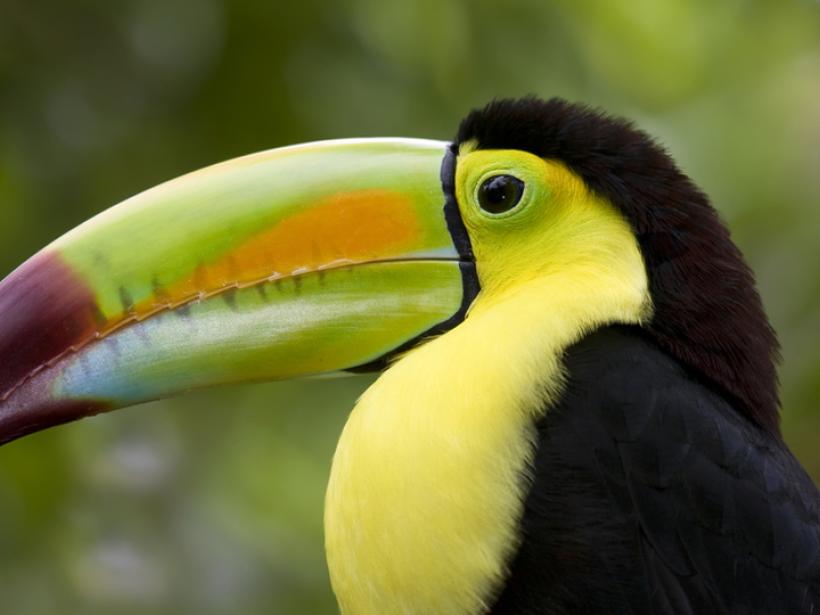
column 708, row 312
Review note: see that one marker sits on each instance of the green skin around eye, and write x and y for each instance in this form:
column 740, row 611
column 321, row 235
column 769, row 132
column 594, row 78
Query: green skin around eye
column 478, row 167
column 499, row 239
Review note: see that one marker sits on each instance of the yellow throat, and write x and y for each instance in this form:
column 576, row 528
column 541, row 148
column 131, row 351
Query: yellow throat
column 430, row 473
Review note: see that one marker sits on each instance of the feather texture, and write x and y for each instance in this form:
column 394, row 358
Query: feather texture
column 707, row 313
column 650, row 494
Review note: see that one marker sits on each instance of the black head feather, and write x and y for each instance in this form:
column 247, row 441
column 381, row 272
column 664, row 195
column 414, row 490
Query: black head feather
column 708, row 312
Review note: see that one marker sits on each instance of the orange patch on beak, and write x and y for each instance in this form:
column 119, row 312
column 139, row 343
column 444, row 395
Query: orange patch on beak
column 344, row 229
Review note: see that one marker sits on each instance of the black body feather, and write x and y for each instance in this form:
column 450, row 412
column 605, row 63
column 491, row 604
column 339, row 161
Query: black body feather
column 650, row 494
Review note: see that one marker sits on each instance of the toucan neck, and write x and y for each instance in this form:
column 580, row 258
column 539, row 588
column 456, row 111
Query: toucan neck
column 426, row 492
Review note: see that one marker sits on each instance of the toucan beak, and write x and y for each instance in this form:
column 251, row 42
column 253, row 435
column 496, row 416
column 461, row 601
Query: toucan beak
column 297, row 261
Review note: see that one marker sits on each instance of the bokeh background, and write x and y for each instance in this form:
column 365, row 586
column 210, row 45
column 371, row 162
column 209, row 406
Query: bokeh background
column 212, row 503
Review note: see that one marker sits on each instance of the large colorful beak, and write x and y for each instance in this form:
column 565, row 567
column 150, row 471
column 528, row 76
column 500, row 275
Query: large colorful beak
column 296, row 261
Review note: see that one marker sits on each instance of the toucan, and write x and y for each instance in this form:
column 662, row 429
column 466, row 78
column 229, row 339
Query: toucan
column 577, row 406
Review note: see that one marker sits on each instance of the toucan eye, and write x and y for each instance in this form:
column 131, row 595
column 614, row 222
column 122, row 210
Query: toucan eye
column 500, row 193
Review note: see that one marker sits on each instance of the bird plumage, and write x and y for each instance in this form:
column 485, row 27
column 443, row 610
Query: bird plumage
column 650, row 494
column 708, row 312
column 579, row 410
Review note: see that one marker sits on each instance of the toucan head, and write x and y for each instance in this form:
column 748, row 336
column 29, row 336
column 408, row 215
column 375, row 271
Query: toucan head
column 340, row 255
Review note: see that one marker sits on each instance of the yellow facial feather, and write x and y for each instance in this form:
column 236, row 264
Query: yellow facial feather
column 428, row 480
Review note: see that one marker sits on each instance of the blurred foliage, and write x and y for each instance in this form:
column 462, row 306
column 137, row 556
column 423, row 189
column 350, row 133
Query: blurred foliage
column 213, row 503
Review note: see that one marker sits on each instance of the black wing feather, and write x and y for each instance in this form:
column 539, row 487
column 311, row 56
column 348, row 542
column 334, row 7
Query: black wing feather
column 651, row 494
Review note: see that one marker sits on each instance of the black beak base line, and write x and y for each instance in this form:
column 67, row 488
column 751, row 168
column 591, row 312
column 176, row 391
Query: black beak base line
column 469, row 276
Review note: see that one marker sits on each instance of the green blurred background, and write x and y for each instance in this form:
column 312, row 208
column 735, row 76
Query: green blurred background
column 213, row 503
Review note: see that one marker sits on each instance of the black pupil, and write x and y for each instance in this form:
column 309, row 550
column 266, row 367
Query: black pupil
column 500, row 193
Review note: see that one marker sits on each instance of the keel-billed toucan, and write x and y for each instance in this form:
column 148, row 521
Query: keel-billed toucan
column 577, row 410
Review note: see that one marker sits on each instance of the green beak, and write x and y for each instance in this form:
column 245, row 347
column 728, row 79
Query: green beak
column 297, row 261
